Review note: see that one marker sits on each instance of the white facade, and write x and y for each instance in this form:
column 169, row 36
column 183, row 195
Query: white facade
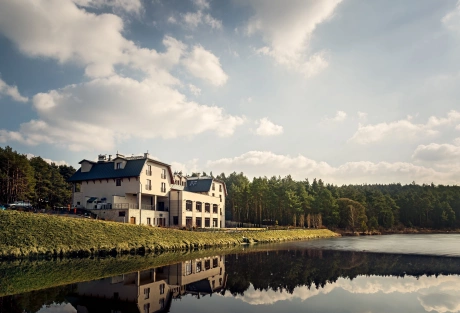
column 140, row 190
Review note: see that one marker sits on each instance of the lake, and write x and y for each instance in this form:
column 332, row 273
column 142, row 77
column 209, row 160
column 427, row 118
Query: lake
column 394, row 273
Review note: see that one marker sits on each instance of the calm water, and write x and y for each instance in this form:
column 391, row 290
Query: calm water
column 315, row 276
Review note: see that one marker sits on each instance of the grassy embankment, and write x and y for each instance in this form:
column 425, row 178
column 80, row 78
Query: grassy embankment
column 27, row 234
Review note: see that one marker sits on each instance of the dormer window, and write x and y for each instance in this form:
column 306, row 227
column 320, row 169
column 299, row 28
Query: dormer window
column 118, row 165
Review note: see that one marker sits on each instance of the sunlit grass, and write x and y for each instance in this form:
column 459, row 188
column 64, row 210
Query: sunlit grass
column 27, row 234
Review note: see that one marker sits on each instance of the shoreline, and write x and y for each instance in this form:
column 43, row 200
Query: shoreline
column 405, row 231
column 24, row 235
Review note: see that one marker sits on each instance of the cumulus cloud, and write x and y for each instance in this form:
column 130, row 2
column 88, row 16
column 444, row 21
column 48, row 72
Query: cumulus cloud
column 99, row 113
column 201, row 63
column 266, row 163
column 267, row 128
column 402, row 129
column 194, row 90
column 452, row 19
column 60, row 30
column 438, row 153
column 362, row 115
column 340, row 116
column 194, row 19
column 287, row 30
column 201, row 4
column 126, row 5
column 49, row 161
column 11, row 91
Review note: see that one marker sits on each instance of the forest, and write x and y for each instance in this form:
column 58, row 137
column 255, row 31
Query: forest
column 33, row 180
column 284, row 201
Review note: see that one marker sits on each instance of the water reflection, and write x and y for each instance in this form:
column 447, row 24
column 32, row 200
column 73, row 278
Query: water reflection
column 276, row 280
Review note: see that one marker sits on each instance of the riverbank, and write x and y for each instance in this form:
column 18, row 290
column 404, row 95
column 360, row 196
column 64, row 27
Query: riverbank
column 400, row 231
column 28, row 234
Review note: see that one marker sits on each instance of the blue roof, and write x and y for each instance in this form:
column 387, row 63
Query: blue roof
column 198, row 184
column 105, row 170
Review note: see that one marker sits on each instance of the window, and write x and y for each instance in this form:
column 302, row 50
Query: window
column 148, row 186
column 162, row 289
column 214, row 208
column 118, row 165
column 207, row 208
column 213, row 284
column 213, row 186
column 163, row 173
column 188, row 268
column 188, row 205
column 215, row 262
column 206, row 222
column 77, row 187
column 214, row 222
column 147, row 307
column 220, row 188
column 176, row 220
column 146, row 293
column 207, row 265
column 162, row 303
column 118, row 182
column 149, row 221
column 198, row 267
column 122, row 213
column 163, row 187
column 213, row 194
column 149, row 170
column 220, row 197
column 198, row 222
column 198, row 206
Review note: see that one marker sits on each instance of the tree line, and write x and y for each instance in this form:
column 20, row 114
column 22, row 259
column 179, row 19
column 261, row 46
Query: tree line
column 33, row 180
column 355, row 207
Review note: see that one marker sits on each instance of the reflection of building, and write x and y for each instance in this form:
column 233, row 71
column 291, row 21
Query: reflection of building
column 151, row 290
column 140, row 190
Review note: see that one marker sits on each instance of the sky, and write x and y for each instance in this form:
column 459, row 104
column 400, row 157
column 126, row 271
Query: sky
column 352, row 92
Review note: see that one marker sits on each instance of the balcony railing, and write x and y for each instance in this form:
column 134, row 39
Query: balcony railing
column 148, row 187
column 163, row 176
column 148, row 207
column 125, row 206
column 148, row 173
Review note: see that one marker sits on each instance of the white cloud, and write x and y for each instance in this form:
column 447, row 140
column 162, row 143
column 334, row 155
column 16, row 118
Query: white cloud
column 201, row 4
column 340, row 116
column 99, row 113
column 126, row 5
column 402, row 129
column 201, row 63
column 452, row 19
column 362, row 115
column 268, row 128
column 266, row 163
column 194, row 19
column 11, row 91
column 186, row 168
column 287, row 29
column 49, row 161
column 457, row 141
column 60, row 30
column 194, row 90
column 438, row 153
column 172, row 20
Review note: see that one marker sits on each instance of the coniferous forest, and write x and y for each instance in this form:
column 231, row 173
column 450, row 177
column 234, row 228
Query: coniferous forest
column 355, row 207
column 33, row 180
column 275, row 200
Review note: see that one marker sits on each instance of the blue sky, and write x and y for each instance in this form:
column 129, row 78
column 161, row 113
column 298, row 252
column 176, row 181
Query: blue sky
column 344, row 90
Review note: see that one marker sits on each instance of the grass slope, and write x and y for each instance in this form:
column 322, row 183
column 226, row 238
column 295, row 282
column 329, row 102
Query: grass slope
column 27, row 234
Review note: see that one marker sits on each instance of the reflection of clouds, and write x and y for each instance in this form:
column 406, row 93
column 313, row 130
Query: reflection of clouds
column 57, row 308
column 435, row 294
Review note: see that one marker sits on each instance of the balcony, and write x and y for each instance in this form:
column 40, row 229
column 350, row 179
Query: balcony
column 125, row 206
column 148, row 173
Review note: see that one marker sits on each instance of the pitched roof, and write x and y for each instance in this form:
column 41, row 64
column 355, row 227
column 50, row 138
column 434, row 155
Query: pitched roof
column 104, row 170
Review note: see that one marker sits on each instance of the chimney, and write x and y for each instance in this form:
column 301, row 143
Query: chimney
column 110, row 157
column 146, row 155
column 102, row 158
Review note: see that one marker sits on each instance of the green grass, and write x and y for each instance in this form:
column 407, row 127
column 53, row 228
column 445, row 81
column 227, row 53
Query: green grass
column 27, row 234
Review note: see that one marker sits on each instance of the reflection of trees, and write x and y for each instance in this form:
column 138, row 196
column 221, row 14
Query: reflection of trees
column 286, row 270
